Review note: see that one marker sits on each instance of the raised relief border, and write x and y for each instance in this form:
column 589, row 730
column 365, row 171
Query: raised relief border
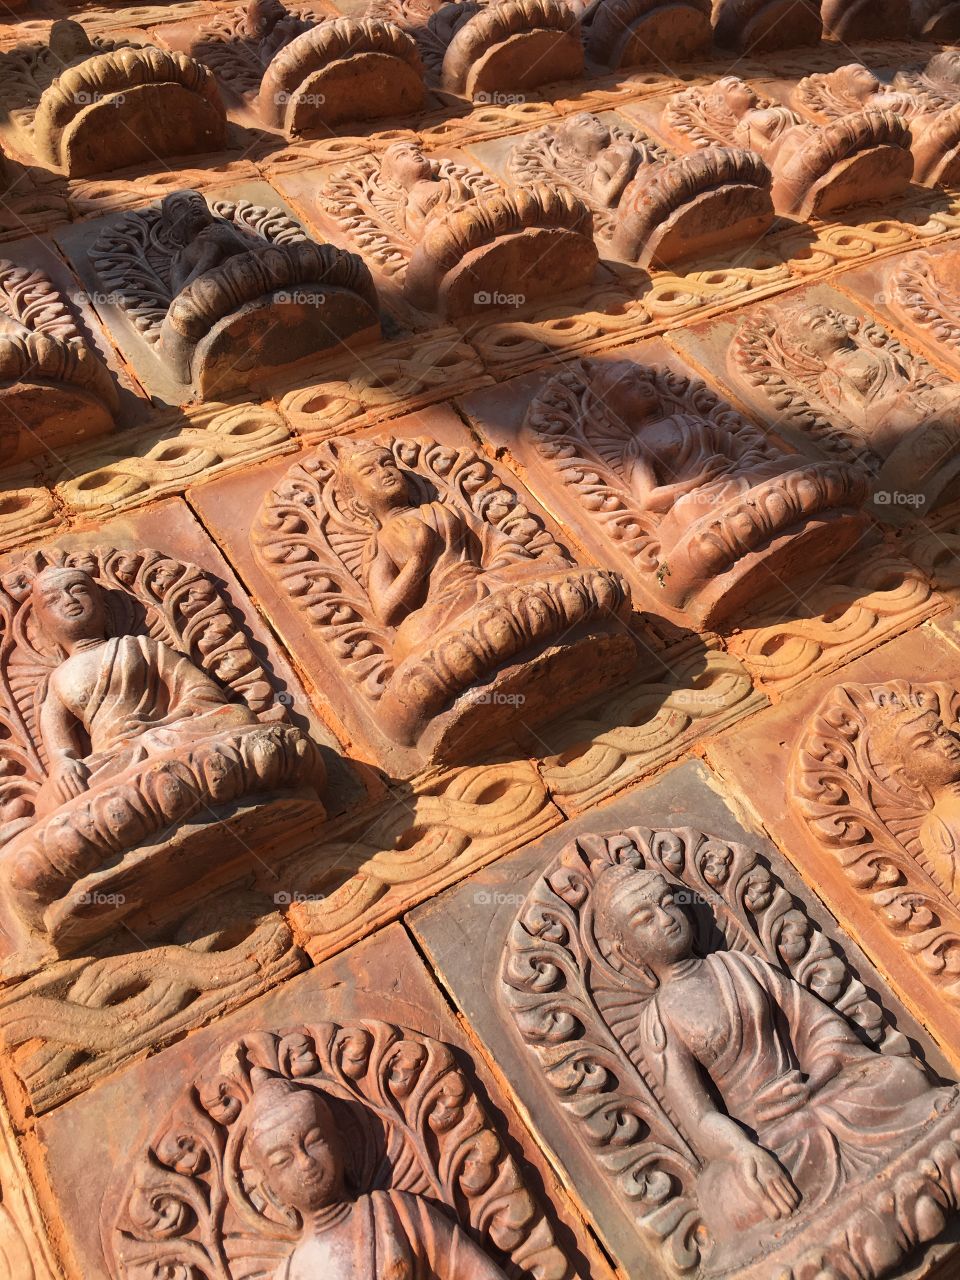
column 723, row 1067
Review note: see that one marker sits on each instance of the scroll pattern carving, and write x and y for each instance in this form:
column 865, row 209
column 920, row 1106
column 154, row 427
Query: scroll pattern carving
column 613, row 942
column 410, row 1126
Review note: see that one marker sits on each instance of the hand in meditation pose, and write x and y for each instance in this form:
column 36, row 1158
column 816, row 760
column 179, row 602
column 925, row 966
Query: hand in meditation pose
column 296, row 1157
column 202, row 240
column 428, row 191
column 914, row 743
column 424, row 564
column 784, row 1103
column 113, row 701
column 869, row 385
column 608, row 163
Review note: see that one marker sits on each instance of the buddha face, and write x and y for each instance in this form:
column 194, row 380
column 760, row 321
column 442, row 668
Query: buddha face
column 404, row 164
column 375, row 479
column 860, row 82
column 69, row 606
column 736, row 95
column 819, row 330
column 185, row 215
column 586, row 134
column 294, row 1147
column 927, row 752
column 641, row 912
column 626, row 391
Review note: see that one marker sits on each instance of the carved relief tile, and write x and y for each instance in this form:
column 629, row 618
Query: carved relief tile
column 934, row 132
column 858, row 794
column 55, row 390
column 142, row 466
column 438, row 609
column 602, row 749
column 404, row 377
column 421, row 1165
column 208, row 295
column 443, row 236
column 824, row 620
column 756, row 26
column 938, row 80
column 839, row 384
column 649, row 206
column 697, row 1044
column 84, row 106
column 850, row 21
column 917, row 293
column 25, row 1253
column 659, row 476
column 305, row 69
column 817, row 169
column 492, row 46
column 145, row 738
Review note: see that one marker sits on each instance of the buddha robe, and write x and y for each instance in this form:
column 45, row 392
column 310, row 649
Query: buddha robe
column 391, row 1234
column 769, row 1033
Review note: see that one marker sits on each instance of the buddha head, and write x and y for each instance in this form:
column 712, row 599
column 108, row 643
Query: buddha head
column 637, row 910
column 368, row 477
column 404, row 164
column 69, row 606
column 732, row 94
column 294, row 1148
column 262, row 16
column 184, row 214
column 913, row 741
column 858, row 81
column 626, row 391
column 68, row 42
column 818, row 331
column 586, row 134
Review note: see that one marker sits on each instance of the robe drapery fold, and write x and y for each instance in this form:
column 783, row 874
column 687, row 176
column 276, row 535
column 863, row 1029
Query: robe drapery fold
column 391, row 1235
column 859, row 1110
column 149, row 699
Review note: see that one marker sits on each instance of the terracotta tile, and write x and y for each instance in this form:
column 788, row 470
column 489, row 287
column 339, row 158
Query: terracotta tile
column 380, row 1025
column 530, row 958
column 839, row 802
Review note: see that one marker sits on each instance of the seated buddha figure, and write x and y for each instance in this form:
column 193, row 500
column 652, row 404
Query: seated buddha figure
column 201, row 239
column 426, row 190
column 424, row 564
column 786, row 1106
column 869, row 385
column 600, row 163
column 767, row 129
column 297, row 1160
column 113, row 701
column 912, row 742
column 675, row 464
